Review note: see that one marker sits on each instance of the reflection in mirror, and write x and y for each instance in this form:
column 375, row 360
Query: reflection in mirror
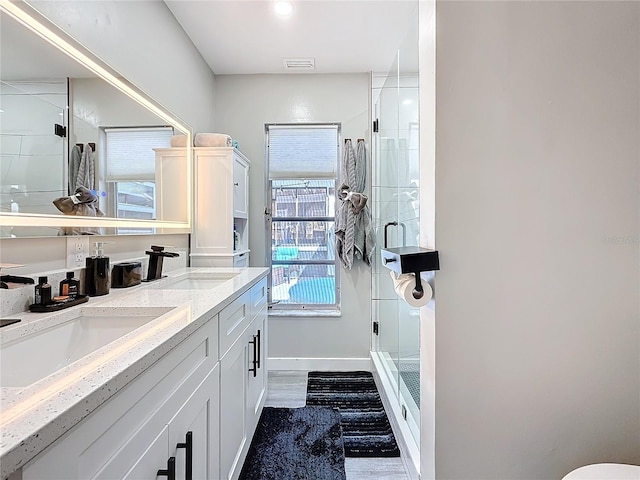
column 78, row 155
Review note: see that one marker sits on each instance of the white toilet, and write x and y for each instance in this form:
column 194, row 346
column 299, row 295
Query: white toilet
column 605, row 471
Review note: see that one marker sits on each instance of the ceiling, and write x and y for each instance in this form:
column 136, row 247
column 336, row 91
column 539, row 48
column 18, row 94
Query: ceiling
column 342, row 36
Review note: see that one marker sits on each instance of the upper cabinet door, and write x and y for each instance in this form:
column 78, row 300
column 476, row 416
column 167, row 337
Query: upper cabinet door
column 240, row 187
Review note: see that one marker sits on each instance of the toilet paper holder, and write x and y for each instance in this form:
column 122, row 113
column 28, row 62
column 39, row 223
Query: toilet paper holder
column 411, row 260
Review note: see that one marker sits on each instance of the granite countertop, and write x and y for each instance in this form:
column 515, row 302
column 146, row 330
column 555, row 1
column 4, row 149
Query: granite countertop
column 34, row 416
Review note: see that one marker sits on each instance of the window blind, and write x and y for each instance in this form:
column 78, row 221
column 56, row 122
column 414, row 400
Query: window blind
column 129, row 152
column 302, row 152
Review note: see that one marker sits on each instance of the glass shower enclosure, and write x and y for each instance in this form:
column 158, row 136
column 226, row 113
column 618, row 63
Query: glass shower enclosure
column 395, row 192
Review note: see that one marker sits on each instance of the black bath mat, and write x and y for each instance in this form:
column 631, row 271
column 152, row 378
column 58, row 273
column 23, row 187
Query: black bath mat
column 296, row 444
column 365, row 426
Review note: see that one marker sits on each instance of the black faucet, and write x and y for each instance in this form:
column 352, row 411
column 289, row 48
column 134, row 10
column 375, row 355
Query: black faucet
column 156, row 254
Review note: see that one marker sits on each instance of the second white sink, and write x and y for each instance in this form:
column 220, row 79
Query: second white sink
column 195, row 281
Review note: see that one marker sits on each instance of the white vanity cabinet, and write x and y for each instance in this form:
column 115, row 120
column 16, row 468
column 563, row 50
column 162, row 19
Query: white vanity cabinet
column 192, row 412
column 243, row 373
column 221, row 208
column 138, row 431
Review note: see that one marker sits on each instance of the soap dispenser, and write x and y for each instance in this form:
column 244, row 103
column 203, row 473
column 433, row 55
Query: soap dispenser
column 96, row 280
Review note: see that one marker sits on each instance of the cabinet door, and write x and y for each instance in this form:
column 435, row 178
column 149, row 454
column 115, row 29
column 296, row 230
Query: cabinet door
column 195, row 426
column 153, row 459
column 140, row 457
column 240, row 190
column 233, row 393
column 256, row 380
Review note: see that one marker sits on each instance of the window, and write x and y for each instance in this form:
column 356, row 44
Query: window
column 302, row 166
column 131, row 184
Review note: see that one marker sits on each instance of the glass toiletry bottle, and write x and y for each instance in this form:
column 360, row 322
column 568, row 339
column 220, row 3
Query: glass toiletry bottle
column 42, row 292
column 70, row 286
column 97, row 273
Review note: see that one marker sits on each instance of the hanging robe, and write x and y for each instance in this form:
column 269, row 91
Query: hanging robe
column 86, row 170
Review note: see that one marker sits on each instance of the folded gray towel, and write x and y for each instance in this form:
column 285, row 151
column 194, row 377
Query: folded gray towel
column 212, row 140
column 179, row 140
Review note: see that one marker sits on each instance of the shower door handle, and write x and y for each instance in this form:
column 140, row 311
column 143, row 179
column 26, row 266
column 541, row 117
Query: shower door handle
column 395, row 224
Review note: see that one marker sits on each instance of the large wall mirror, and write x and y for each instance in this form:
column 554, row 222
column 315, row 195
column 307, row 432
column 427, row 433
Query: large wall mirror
column 82, row 151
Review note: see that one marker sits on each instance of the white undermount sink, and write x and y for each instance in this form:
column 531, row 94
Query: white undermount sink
column 33, row 357
column 195, row 281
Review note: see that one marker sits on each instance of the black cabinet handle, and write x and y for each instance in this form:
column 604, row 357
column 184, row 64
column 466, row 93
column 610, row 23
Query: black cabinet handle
column 188, row 446
column 253, row 369
column 258, row 356
column 170, row 472
column 386, row 260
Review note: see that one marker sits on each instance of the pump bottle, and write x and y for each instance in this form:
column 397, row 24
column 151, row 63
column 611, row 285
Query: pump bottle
column 97, row 272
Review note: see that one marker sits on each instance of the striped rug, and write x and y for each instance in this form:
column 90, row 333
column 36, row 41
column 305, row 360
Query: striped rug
column 365, row 426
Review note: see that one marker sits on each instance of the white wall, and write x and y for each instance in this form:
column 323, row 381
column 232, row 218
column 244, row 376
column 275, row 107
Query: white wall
column 427, row 85
column 95, row 104
column 537, row 223
column 244, row 103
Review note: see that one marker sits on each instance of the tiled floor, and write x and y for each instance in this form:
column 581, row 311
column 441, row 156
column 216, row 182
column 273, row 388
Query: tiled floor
column 289, row 389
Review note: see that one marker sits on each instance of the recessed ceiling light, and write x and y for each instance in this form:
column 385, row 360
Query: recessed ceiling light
column 283, row 8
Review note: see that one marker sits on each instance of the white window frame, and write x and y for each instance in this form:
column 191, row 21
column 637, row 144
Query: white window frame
column 299, row 308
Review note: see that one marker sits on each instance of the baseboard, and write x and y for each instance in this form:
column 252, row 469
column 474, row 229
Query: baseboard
column 322, row 364
column 410, row 451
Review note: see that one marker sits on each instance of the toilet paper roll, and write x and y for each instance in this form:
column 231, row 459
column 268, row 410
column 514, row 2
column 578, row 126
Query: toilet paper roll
column 404, row 285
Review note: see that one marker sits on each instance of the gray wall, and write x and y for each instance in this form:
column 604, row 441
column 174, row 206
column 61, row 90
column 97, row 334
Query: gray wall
column 537, row 222
column 143, row 41
column 244, row 103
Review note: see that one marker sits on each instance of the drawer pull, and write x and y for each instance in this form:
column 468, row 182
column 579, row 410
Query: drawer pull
column 258, row 356
column 188, row 446
column 170, row 472
column 254, row 368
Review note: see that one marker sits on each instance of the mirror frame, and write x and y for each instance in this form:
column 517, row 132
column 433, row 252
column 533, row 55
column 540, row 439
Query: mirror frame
column 39, row 25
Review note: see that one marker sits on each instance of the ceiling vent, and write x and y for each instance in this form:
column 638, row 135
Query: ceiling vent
column 299, row 64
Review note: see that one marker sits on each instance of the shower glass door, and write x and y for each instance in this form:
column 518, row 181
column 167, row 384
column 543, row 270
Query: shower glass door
column 395, row 190
column 408, row 218
column 385, row 218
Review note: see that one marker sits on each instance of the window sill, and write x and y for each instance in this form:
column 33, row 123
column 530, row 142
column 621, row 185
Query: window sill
column 304, row 313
